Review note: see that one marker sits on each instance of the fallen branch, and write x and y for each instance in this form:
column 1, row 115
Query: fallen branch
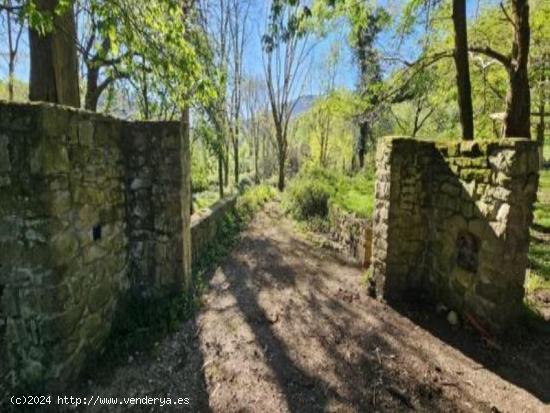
column 487, row 337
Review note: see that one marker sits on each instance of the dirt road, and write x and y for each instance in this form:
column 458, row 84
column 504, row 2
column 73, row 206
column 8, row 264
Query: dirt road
column 287, row 327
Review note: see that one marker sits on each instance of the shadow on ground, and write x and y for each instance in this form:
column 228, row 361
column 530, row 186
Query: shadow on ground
column 325, row 346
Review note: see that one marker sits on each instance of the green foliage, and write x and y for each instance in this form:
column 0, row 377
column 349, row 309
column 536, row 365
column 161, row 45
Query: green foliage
column 367, row 276
column 542, row 207
column 20, row 89
column 306, row 198
column 328, row 129
column 252, row 199
column 538, row 278
column 199, row 181
column 204, row 199
column 309, row 194
column 489, row 79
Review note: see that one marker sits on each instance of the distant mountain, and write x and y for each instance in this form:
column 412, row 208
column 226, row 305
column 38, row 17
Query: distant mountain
column 303, row 104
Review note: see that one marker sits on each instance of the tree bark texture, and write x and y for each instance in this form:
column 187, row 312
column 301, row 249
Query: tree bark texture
column 518, row 99
column 53, row 59
column 463, row 69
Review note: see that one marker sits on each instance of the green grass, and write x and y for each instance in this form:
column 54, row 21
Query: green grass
column 357, row 201
column 539, row 250
column 354, row 194
column 539, row 257
column 204, row 199
column 542, row 207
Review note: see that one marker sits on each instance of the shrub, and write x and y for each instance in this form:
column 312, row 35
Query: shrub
column 244, row 184
column 252, row 199
column 306, row 198
column 311, row 192
column 199, row 181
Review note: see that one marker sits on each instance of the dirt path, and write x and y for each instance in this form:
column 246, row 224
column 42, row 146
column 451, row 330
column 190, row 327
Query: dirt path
column 286, row 327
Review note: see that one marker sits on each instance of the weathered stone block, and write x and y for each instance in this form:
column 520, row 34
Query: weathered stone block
column 453, row 221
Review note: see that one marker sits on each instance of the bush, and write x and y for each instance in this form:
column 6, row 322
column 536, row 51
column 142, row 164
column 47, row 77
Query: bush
column 199, row 181
column 244, row 184
column 252, row 199
column 309, row 195
column 306, row 198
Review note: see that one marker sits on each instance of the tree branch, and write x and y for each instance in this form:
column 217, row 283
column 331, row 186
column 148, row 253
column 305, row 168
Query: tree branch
column 507, row 15
column 487, row 51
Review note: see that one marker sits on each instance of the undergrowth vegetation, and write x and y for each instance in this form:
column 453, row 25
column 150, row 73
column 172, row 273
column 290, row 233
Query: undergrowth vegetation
column 311, row 192
column 539, row 249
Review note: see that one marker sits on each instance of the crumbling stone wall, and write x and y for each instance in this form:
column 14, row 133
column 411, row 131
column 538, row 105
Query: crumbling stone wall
column 205, row 226
column 80, row 195
column 452, row 219
column 353, row 234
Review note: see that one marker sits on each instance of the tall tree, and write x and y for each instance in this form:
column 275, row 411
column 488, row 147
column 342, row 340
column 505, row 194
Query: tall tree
column 238, row 29
column 517, row 120
column 54, row 63
column 285, row 51
column 214, row 20
column 463, row 69
column 366, row 23
column 103, row 63
column 255, row 107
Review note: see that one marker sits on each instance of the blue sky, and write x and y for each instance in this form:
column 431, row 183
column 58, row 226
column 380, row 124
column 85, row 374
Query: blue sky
column 346, row 74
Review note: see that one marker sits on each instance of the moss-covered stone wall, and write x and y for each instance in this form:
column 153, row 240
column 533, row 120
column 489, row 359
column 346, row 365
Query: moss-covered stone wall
column 205, row 226
column 81, row 196
column 452, row 219
column 353, row 234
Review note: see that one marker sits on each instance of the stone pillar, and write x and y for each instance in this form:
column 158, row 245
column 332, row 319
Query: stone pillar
column 452, row 220
column 153, row 182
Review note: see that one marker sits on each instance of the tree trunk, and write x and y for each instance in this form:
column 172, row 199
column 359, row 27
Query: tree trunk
column 281, row 181
column 92, row 96
column 256, row 150
column 517, row 121
column 226, row 169
column 236, row 160
column 53, row 59
column 362, row 143
column 281, row 155
column 11, row 71
column 542, row 108
column 11, row 63
column 220, row 175
column 463, row 69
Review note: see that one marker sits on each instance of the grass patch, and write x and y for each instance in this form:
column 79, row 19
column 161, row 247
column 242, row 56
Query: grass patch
column 538, row 278
column 359, row 203
column 309, row 194
column 366, row 277
column 204, row 199
column 542, row 207
column 539, row 274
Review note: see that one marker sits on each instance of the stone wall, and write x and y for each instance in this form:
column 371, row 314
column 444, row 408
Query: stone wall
column 80, row 196
column 453, row 220
column 153, row 188
column 352, row 234
column 205, row 226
